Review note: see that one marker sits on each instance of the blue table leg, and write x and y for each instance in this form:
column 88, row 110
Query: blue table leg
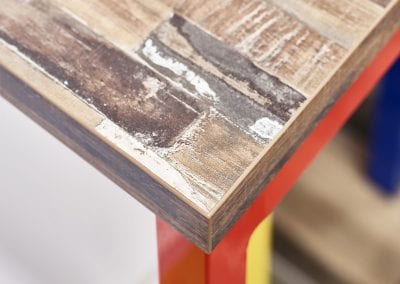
column 384, row 160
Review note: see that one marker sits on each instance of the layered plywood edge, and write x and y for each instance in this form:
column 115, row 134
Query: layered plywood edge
column 190, row 106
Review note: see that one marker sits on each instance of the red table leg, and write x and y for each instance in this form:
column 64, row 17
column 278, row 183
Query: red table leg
column 182, row 262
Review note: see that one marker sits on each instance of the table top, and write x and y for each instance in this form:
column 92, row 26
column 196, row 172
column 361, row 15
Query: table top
column 190, row 106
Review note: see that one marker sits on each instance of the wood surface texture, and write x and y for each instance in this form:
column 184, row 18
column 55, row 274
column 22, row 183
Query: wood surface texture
column 190, row 106
column 339, row 218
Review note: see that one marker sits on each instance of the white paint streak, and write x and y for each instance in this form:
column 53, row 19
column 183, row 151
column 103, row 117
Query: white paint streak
column 322, row 58
column 302, row 38
column 148, row 159
column 342, row 21
column 323, row 54
column 247, row 45
column 152, row 86
column 277, row 48
column 266, row 128
column 180, row 69
column 248, row 18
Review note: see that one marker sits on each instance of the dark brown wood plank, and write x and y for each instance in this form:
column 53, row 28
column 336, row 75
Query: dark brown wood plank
column 106, row 159
column 127, row 92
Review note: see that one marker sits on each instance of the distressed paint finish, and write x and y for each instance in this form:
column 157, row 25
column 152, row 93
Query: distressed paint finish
column 152, row 117
column 300, row 42
column 223, row 62
column 194, row 105
column 221, row 97
column 342, row 21
column 237, row 100
column 127, row 92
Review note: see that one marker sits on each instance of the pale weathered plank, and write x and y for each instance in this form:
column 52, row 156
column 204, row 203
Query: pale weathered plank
column 342, row 21
column 272, row 38
column 195, row 105
column 125, row 23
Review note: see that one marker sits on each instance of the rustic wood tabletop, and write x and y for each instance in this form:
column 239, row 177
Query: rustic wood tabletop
column 190, row 106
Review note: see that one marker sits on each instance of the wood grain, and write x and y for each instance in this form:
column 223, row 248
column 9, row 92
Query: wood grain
column 193, row 95
column 73, row 122
column 323, row 17
column 125, row 23
column 272, row 38
column 102, row 75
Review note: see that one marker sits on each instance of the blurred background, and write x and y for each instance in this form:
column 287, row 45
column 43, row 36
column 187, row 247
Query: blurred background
column 63, row 222
column 337, row 225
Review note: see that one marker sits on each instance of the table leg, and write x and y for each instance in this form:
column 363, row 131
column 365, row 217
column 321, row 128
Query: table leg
column 244, row 256
column 259, row 254
column 384, row 160
column 180, row 262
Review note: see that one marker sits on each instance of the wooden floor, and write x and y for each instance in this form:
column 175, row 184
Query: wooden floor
column 190, row 106
column 338, row 217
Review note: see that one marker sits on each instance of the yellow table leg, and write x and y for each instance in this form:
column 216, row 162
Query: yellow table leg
column 259, row 254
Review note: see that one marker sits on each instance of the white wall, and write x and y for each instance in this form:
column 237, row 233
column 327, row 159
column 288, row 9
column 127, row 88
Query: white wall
column 60, row 220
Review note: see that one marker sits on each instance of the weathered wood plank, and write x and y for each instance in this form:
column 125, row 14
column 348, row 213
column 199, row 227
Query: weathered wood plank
column 125, row 23
column 148, row 112
column 198, row 47
column 342, row 21
column 124, row 90
column 300, row 42
column 236, row 96
column 226, row 165
column 272, row 38
column 144, row 108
